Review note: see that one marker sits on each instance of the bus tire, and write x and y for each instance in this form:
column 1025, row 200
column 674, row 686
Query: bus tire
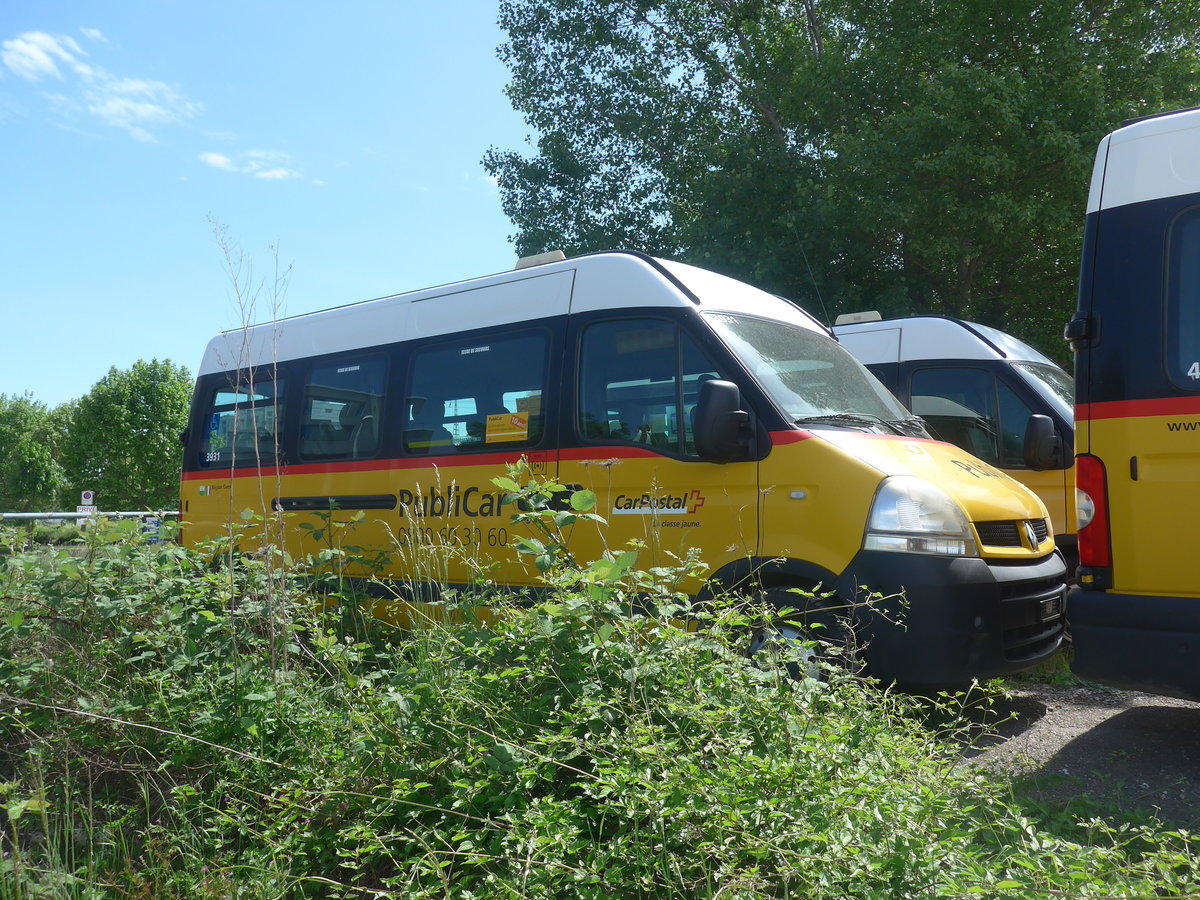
column 814, row 621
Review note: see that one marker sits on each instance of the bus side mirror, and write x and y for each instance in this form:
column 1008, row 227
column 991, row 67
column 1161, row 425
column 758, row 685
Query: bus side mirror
column 1043, row 446
column 718, row 422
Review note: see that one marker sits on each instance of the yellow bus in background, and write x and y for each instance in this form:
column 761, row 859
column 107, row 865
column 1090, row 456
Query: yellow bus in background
column 1135, row 615
column 994, row 395
column 702, row 412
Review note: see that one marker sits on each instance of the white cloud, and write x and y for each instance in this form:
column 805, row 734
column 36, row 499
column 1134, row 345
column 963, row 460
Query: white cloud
column 73, row 88
column 269, row 165
column 135, row 105
column 132, row 104
column 218, row 161
column 35, row 55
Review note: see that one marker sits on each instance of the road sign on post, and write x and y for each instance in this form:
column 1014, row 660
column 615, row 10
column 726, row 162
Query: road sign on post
column 86, row 507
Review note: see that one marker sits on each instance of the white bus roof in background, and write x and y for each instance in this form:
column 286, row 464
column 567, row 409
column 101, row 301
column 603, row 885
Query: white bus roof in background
column 592, row 282
column 931, row 337
column 1147, row 160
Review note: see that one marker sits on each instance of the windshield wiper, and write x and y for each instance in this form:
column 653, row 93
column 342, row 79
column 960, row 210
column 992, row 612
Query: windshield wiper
column 910, row 427
column 913, row 426
column 848, row 419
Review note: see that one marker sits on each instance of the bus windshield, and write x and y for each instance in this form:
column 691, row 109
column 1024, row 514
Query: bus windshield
column 1054, row 385
column 811, row 377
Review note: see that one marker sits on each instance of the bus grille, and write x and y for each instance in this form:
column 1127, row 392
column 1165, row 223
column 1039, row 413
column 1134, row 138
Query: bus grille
column 1033, row 617
column 1008, row 533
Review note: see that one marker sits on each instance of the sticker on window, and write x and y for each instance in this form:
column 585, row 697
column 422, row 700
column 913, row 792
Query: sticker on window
column 659, row 337
column 531, row 404
column 508, row 427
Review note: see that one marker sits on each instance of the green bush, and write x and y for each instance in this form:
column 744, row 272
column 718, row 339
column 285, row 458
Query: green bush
column 186, row 723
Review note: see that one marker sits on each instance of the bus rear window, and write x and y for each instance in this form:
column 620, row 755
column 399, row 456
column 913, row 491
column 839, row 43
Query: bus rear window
column 239, row 426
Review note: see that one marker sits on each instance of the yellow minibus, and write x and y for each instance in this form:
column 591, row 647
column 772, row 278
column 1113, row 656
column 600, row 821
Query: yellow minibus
column 702, row 412
column 985, row 390
column 1135, row 614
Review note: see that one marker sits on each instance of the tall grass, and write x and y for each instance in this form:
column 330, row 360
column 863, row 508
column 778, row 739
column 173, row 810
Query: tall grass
column 570, row 748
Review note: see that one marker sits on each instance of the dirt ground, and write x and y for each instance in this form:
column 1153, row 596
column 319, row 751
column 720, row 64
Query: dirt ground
column 1091, row 749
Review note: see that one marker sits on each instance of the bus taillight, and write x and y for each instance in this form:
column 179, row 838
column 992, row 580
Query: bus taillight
column 1091, row 502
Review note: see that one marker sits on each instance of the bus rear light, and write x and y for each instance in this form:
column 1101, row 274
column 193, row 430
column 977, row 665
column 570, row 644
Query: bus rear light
column 1091, row 500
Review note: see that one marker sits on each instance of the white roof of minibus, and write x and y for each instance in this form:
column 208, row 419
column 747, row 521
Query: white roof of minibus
column 611, row 280
column 931, row 337
column 1147, row 160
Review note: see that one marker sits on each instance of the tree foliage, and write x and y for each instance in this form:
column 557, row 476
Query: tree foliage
column 123, row 440
column 30, row 475
column 910, row 156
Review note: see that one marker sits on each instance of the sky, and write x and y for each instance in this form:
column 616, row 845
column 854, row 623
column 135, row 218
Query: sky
column 146, row 144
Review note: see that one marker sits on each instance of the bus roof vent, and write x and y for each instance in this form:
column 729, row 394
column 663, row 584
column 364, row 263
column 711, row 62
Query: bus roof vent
column 870, row 315
column 539, row 259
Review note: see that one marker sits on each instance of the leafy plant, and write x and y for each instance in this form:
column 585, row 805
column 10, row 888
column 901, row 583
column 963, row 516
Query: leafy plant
column 187, row 723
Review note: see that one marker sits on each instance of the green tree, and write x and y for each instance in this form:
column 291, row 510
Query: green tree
column 123, row 438
column 909, row 156
column 30, row 475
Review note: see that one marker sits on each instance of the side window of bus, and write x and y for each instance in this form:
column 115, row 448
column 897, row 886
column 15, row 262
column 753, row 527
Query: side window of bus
column 975, row 410
column 888, row 374
column 240, row 425
column 1183, row 302
column 1014, row 420
column 958, row 405
column 639, row 383
column 478, row 394
column 341, row 416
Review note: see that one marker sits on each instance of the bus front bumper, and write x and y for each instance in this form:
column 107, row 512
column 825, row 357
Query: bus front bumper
column 1136, row 642
column 930, row 622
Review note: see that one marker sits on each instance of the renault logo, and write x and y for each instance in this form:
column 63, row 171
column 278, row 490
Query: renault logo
column 1030, row 535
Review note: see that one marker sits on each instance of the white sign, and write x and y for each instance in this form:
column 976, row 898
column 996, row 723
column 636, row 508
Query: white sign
column 87, row 498
column 86, row 510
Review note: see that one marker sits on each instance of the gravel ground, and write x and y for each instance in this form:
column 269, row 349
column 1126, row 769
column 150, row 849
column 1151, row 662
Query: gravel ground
column 1095, row 749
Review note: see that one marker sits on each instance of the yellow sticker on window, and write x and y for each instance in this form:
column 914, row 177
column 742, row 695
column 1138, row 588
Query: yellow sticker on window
column 508, row 427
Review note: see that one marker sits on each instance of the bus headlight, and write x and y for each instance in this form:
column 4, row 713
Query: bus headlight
column 911, row 515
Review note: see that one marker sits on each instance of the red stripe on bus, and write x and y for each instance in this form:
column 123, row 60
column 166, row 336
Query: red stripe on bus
column 789, row 437
column 567, row 454
column 1133, row 409
column 600, row 454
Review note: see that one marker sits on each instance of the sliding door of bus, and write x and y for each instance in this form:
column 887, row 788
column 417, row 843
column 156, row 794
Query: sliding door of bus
column 472, row 404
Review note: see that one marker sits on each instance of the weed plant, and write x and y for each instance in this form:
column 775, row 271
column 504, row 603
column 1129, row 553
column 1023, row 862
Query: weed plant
column 176, row 725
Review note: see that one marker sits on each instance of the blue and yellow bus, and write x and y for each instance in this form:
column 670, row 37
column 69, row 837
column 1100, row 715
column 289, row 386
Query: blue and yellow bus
column 1135, row 614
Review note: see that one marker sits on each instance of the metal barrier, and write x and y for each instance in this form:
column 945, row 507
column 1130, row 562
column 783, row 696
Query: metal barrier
column 144, row 514
column 151, row 520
